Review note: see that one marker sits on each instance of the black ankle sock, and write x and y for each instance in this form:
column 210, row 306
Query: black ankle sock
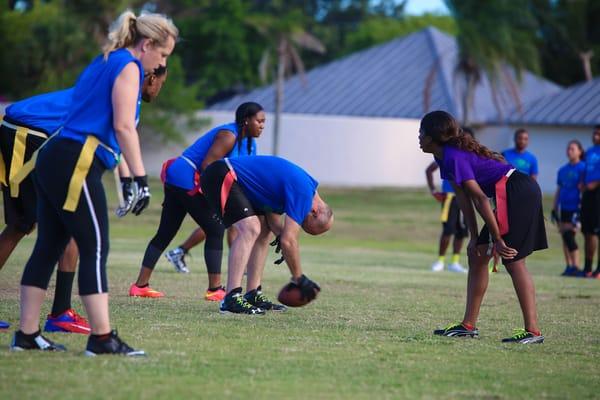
column 31, row 336
column 213, row 289
column 588, row 265
column 142, row 286
column 185, row 251
column 62, row 294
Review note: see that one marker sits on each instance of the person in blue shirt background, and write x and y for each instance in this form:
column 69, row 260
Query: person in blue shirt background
column 590, row 206
column 182, row 196
column 177, row 255
column 567, row 203
column 519, row 157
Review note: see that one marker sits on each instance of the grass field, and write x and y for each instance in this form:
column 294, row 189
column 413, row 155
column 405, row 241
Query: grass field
column 367, row 336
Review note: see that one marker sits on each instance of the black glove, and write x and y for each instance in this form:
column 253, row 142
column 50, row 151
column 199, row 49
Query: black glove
column 142, row 194
column 277, row 244
column 128, row 196
column 554, row 216
column 308, row 288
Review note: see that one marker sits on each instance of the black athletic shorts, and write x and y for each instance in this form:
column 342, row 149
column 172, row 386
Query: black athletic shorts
column 590, row 211
column 569, row 217
column 236, row 204
column 527, row 232
column 455, row 224
column 19, row 212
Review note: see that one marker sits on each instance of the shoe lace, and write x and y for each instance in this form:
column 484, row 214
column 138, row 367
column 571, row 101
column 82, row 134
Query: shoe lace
column 79, row 318
column 519, row 333
column 452, row 325
column 262, row 298
column 242, row 302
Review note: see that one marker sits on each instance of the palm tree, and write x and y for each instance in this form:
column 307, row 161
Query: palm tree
column 286, row 35
column 492, row 36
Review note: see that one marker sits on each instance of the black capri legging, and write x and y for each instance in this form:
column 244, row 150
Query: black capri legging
column 88, row 224
column 176, row 205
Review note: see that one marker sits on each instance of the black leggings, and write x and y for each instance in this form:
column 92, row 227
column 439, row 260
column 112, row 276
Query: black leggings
column 176, row 206
column 88, row 225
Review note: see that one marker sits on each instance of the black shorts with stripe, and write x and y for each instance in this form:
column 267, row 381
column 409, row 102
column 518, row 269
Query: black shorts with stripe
column 590, row 212
column 20, row 211
column 455, row 224
column 527, row 231
column 230, row 207
column 569, row 217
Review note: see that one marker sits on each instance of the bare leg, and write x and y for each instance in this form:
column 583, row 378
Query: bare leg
column 68, row 260
column 525, row 292
column 241, row 248
column 214, row 280
column 444, row 243
column 477, row 283
column 9, row 239
column 231, row 234
column 144, row 276
column 31, row 304
column 96, row 307
column 256, row 263
column 194, row 240
column 457, row 244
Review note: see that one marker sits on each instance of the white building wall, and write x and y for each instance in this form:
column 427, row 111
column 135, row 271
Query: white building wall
column 547, row 143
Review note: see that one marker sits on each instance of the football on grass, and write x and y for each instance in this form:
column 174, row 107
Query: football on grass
column 291, row 296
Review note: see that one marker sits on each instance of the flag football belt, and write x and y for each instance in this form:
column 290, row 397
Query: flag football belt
column 82, row 167
column 18, row 155
column 501, row 213
column 446, row 207
column 228, row 181
column 163, row 174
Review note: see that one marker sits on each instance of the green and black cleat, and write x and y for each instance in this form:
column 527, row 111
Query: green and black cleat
column 457, row 330
column 524, row 337
column 258, row 299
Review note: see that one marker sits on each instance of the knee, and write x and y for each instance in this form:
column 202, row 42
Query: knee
column 569, row 240
column 249, row 228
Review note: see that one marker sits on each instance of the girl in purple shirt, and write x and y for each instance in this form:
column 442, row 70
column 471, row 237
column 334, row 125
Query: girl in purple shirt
column 515, row 231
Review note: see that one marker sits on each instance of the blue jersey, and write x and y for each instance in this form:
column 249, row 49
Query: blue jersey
column 524, row 162
column 273, row 184
column 91, row 112
column 181, row 172
column 447, row 186
column 568, row 179
column 45, row 112
column 592, row 164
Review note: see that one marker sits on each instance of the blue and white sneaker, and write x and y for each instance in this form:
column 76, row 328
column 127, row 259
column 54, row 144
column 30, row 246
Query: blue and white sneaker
column 177, row 258
column 4, row 325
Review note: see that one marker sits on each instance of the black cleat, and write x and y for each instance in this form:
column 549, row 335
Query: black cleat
column 112, row 344
column 457, row 330
column 235, row 303
column 524, row 337
column 258, row 299
column 35, row 341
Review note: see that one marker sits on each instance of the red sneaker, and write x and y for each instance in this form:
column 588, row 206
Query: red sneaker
column 135, row 291
column 69, row 321
column 215, row 295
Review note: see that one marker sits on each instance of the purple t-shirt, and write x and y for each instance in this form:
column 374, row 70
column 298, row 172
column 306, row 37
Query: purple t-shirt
column 460, row 165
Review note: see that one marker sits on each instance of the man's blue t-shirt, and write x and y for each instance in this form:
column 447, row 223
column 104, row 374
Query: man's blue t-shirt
column 181, row 172
column 568, row 178
column 273, row 184
column 447, row 186
column 524, row 162
column 592, row 164
column 45, row 112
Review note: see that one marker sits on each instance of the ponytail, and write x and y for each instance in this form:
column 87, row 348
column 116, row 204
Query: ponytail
column 128, row 30
column 443, row 129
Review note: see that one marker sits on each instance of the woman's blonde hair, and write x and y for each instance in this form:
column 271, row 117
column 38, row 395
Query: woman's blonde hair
column 128, row 30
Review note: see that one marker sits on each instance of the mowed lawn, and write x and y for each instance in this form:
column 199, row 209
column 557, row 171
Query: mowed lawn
column 368, row 335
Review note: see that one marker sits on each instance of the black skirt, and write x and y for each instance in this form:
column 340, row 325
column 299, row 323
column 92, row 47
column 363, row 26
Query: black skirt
column 526, row 229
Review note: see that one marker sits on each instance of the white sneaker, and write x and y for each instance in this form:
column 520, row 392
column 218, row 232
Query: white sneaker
column 437, row 266
column 456, row 267
column 176, row 257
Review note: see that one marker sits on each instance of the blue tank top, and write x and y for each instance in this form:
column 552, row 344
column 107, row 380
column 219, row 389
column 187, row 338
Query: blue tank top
column 273, row 184
column 568, row 178
column 91, row 112
column 592, row 164
column 45, row 112
column 181, row 172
